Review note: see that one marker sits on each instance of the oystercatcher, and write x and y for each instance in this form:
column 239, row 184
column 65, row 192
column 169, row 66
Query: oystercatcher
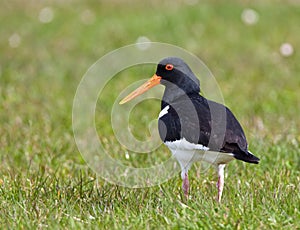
column 193, row 127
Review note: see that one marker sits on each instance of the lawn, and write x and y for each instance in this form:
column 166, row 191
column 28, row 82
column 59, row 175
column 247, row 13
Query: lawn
column 46, row 48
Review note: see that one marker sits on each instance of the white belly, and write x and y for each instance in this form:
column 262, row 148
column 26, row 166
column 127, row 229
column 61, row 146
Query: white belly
column 190, row 156
column 186, row 153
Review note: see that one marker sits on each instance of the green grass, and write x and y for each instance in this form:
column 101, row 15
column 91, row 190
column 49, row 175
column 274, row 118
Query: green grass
column 45, row 182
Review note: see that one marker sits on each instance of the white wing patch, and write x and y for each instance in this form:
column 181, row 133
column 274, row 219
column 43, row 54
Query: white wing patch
column 164, row 111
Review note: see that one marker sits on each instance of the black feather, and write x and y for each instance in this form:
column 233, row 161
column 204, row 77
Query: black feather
column 198, row 120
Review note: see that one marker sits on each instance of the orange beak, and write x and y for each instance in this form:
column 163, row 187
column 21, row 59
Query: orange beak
column 153, row 81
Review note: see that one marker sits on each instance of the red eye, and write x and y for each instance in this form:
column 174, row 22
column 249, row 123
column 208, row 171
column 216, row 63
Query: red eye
column 169, row 67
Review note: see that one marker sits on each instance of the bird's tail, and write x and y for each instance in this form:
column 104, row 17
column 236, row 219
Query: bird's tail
column 247, row 157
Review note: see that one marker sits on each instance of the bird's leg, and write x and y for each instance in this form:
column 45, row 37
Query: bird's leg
column 220, row 183
column 185, row 183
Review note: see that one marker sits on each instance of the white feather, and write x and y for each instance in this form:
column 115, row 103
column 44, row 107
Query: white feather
column 164, row 111
column 187, row 153
column 185, row 145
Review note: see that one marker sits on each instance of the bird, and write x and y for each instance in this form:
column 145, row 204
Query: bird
column 192, row 127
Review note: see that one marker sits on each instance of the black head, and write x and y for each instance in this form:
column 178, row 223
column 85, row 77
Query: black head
column 174, row 71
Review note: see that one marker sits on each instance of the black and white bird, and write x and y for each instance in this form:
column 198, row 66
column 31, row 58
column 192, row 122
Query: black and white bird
column 193, row 127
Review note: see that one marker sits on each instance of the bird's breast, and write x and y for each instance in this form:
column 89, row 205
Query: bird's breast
column 169, row 126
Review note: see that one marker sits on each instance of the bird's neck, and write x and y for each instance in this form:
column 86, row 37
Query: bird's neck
column 173, row 95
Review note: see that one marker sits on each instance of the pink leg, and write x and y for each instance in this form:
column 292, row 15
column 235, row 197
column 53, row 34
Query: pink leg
column 186, row 185
column 220, row 183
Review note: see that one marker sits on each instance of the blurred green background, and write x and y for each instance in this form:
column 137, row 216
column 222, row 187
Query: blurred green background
column 252, row 49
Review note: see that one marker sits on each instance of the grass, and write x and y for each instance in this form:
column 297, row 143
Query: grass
column 45, row 182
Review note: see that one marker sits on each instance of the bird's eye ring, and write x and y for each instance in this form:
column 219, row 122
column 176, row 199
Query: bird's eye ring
column 169, row 67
